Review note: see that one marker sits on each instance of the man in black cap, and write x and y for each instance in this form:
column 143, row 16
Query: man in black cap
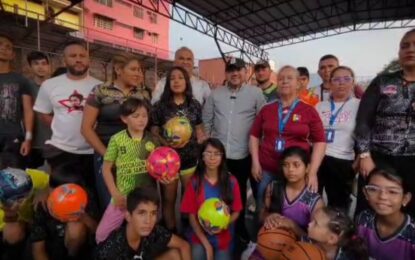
column 263, row 77
column 228, row 115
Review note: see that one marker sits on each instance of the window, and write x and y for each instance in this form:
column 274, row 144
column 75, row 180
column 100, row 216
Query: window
column 153, row 18
column 139, row 33
column 154, row 38
column 105, row 2
column 103, row 22
column 138, row 12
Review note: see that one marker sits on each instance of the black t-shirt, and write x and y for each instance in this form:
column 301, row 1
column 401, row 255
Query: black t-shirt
column 192, row 110
column 116, row 246
column 12, row 88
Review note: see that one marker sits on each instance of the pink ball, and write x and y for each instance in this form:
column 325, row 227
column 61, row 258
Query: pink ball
column 163, row 162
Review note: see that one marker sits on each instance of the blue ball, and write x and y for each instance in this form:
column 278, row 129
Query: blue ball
column 15, row 184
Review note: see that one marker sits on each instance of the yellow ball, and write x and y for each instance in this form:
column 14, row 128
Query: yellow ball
column 214, row 216
column 178, row 131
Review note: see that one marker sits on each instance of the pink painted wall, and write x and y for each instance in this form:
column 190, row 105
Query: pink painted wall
column 122, row 33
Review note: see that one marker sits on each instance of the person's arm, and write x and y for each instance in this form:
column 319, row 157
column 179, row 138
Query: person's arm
column 256, row 133
column 200, row 133
column 181, row 245
column 28, row 121
column 264, row 212
column 87, row 129
column 364, row 122
column 46, row 119
column 119, row 199
column 158, row 91
column 89, row 222
column 39, row 251
column 43, row 106
column 201, row 235
column 317, row 156
column 208, row 114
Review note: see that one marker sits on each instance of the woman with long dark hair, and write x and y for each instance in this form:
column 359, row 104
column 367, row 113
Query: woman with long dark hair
column 178, row 109
column 211, row 180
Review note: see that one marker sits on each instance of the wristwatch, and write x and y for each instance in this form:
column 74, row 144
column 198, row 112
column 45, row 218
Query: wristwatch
column 364, row 155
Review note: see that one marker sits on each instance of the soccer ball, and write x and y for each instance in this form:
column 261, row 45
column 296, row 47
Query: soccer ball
column 15, row 184
column 67, row 202
column 163, row 162
column 214, row 216
column 178, row 131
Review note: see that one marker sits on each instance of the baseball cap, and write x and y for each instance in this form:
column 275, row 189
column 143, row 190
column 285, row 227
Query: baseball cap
column 261, row 64
column 235, row 64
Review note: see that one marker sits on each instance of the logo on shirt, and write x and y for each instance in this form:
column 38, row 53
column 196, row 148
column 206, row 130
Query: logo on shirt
column 390, row 90
column 75, row 102
column 296, row 117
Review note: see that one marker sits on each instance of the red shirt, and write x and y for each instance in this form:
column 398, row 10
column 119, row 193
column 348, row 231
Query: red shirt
column 303, row 128
column 192, row 201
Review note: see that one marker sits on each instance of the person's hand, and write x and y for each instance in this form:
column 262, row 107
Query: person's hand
column 209, row 251
column 120, row 201
column 356, row 164
column 41, row 198
column 166, row 180
column 272, row 221
column 25, row 147
column 312, row 182
column 366, row 165
column 256, row 171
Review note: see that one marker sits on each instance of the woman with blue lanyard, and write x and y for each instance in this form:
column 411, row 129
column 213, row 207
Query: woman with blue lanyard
column 285, row 123
column 338, row 114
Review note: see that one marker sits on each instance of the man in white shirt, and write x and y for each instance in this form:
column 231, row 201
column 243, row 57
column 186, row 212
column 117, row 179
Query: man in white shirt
column 60, row 104
column 184, row 58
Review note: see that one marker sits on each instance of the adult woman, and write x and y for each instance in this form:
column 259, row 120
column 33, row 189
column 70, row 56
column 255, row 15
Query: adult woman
column 102, row 111
column 338, row 114
column 385, row 129
column 284, row 123
column 177, row 102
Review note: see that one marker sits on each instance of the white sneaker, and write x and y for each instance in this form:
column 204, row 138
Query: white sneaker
column 248, row 251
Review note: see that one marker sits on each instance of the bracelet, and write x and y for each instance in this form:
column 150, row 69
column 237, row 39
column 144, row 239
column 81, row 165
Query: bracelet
column 28, row 136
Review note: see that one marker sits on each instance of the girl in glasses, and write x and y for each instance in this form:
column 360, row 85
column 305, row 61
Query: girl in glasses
column 211, row 180
column 388, row 232
column 338, row 115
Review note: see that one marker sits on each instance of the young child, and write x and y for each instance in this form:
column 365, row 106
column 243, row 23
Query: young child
column 17, row 218
column 141, row 238
column 177, row 101
column 212, row 180
column 52, row 239
column 127, row 151
column 388, row 232
column 335, row 233
column 289, row 203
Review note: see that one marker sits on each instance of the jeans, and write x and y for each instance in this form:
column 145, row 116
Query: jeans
column 267, row 178
column 198, row 252
column 104, row 196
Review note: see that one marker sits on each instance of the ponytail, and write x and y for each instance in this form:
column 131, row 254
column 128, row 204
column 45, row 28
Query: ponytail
column 277, row 196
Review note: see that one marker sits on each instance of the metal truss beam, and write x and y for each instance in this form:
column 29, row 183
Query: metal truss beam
column 331, row 10
column 169, row 9
column 352, row 28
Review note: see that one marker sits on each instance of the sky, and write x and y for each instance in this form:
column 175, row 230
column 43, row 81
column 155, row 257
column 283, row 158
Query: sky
column 366, row 52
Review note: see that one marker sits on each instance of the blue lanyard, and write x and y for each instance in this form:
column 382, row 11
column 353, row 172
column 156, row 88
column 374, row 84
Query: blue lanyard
column 332, row 107
column 282, row 122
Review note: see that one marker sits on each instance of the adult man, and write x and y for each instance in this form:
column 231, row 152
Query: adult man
column 40, row 68
column 228, row 115
column 60, row 103
column 200, row 88
column 15, row 105
column 326, row 65
column 263, row 78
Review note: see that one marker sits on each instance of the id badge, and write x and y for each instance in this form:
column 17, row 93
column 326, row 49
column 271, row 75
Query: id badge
column 330, row 135
column 279, row 144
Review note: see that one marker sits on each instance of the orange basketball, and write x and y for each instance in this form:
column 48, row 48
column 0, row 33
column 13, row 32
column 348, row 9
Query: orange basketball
column 302, row 251
column 67, row 202
column 271, row 242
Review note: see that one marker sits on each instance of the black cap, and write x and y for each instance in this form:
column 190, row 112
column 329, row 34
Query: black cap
column 261, row 64
column 234, row 64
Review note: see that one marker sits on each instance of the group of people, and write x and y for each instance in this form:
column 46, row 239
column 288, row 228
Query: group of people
column 290, row 150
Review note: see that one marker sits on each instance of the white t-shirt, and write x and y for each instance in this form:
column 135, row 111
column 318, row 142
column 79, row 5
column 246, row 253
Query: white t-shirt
column 200, row 90
column 316, row 90
column 342, row 145
column 65, row 98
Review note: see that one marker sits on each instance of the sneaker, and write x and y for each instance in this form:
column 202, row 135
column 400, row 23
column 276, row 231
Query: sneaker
column 248, row 251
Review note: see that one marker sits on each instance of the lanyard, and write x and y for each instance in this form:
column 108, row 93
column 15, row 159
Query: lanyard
column 332, row 107
column 282, row 122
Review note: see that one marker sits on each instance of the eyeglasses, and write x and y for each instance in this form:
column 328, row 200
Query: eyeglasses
column 212, row 154
column 345, row 79
column 373, row 190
